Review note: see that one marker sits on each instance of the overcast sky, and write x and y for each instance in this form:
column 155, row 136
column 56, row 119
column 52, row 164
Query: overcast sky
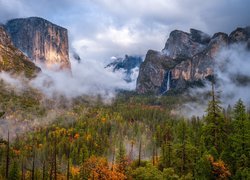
column 99, row 29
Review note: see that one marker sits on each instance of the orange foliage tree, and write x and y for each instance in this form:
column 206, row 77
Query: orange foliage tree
column 219, row 169
column 98, row 168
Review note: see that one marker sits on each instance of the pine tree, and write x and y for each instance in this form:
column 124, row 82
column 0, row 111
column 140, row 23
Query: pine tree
column 121, row 159
column 215, row 127
column 166, row 148
column 14, row 172
column 7, row 157
column 240, row 139
column 240, row 129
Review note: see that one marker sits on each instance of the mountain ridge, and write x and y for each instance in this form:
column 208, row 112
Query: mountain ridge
column 188, row 58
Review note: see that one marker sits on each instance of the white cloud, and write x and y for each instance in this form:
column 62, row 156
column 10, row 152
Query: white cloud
column 121, row 37
column 237, row 66
column 88, row 78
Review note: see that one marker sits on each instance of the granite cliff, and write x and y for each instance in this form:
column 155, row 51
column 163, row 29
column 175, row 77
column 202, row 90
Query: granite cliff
column 12, row 60
column 186, row 60
column 41, row 40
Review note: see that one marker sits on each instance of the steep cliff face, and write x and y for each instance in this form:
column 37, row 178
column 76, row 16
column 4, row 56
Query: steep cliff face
column 41, row 40
column 12, row 59
column 187, row 59
column 154, row 72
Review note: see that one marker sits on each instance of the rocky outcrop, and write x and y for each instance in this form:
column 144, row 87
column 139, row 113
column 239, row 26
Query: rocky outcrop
column 127, row 64
column 187, row 59
column 12, row 60
column 240, row 35
column 185, row 44
column 41, row 40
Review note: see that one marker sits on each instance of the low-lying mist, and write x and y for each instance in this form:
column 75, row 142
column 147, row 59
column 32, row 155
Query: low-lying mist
column 89, row 77
column 232, row 72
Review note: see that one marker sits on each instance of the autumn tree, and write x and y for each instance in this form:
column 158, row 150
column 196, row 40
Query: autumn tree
column 97, row 168
column 219, row 169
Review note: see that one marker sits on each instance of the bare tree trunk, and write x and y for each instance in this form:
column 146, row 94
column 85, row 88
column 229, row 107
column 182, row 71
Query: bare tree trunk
column 169, row 154
column 33, row 165
column 23, row 174
column 51, row 165
column 44, row 168
column 7, row 157
column 113, row 159
column 55, row 170
column 139, row 160
column 68, row 154
column 153, row 155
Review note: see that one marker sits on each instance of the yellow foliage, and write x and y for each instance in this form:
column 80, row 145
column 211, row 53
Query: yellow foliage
column 40, row 145
column 28, row 147
column 103, row 120
column 75, row 170
column 88, row 137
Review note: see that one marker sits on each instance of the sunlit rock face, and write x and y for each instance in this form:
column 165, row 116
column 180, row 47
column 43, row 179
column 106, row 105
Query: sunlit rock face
column 186, row 60
column 12, row 60
column 42, row 41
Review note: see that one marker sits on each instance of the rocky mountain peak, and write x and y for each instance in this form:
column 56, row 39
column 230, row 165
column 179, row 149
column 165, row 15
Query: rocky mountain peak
column 127, row 64
column 41, row 40
column 199, row 36
column 183, row 44
column 218, row 41
column 240, row 35
column 186, row 60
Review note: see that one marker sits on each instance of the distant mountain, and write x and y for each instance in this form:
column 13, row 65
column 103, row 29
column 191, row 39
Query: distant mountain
column 12, row 60
column 127, row 64
column 41, row 40
column 187, row 59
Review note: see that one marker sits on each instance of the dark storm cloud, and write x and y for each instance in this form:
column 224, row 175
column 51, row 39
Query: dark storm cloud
column 99, row 29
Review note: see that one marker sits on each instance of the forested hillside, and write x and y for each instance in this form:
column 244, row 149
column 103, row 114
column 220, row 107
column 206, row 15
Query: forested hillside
column 135, row 137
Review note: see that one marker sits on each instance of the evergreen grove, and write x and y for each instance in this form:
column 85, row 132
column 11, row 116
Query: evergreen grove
column 132, row 139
